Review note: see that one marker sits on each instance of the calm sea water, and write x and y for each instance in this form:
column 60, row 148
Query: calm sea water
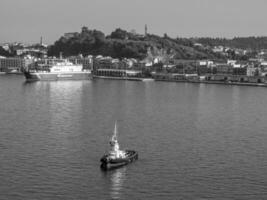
column 195, row 141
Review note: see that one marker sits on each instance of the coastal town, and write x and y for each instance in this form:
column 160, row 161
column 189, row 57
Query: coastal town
column 133, row 99
column 16, row 58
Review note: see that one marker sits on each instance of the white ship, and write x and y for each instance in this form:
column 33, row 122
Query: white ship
column 60, row 70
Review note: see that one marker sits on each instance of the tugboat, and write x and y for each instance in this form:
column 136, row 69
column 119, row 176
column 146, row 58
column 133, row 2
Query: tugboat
column 116, row 157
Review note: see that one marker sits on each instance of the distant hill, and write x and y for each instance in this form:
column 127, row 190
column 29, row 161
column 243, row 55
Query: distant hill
column 253, row 43
column 123, row 44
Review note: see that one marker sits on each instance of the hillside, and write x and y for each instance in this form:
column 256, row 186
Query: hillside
column 5, row 53
column 253, row 43
column 123, row 44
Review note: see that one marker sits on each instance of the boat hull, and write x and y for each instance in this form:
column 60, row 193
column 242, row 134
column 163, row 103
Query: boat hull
column 35, row 76
column 107, row 163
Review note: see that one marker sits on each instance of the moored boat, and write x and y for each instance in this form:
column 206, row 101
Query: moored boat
column 63, row 70
column 116, row 157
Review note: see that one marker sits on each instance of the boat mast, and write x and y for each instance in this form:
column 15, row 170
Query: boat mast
column 115, row 132
column 114, row 141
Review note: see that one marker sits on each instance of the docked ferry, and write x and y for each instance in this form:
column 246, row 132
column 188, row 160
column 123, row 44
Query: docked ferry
column 60, row 70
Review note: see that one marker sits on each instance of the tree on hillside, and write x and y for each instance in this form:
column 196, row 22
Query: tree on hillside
column 5, row 53
column 119, row 34
column 83, row 43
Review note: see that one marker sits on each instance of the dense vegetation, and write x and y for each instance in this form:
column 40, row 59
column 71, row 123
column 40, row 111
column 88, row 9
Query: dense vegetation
column 5, row 53
column 253, row 43
column 123, row 44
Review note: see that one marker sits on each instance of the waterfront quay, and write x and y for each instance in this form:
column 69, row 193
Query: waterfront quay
column 230, row 72
column 213, row 79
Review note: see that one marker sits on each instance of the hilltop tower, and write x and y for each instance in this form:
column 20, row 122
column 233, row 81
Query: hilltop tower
column 145, row 30
column 41, row 40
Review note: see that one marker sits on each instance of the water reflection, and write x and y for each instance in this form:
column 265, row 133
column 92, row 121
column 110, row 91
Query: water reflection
column 61, row 104
column 117, row 178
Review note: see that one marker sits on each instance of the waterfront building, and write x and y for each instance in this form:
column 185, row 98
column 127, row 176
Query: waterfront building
column 224, row 69
column 263, row 68
column 126, row 68
column 251, row 70
column 204, row 67
column 102, row 63
column 117, row 73
column 256, row 60
column 87, row 62
column 231, row 62
column 262, row 55
column 207, row 63
column 14, row 65
column 257, row 79
column 38, row 52
column 176, row 77
column 240, row 71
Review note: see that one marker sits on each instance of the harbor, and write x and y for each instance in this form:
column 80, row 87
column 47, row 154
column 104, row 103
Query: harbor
column 196, row 137
column 133, row 100
column 196, row 71
column 229, row 65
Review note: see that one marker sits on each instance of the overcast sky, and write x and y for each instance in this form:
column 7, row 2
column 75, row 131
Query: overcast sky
column 28, row 20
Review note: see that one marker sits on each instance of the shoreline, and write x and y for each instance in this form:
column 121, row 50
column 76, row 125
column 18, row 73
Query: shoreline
column 123, row 78
column 182, row 81
column 167, row 80
column 217, row 82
